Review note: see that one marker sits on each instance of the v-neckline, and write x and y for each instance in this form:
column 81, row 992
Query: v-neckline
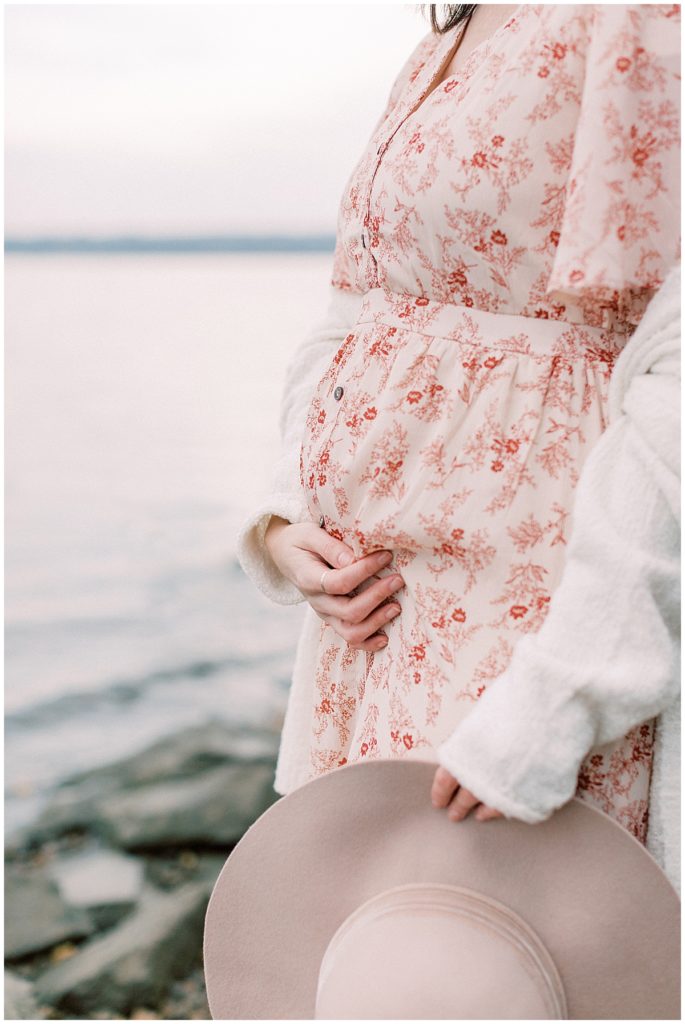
column 446, row 49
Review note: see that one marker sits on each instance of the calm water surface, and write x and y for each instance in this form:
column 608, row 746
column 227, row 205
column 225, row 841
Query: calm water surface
column 142, row 396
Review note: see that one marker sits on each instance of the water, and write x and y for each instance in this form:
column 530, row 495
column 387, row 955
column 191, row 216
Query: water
column 141, row 425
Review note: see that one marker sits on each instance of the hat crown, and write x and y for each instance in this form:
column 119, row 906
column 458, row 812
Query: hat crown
column 605, row 909
column 435, row 951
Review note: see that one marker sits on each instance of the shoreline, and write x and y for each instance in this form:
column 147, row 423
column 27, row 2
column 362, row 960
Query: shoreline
column 117, row 871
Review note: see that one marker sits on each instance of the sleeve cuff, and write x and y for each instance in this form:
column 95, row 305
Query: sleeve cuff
column 520, row 749
column 252, row 552
column 484, row 788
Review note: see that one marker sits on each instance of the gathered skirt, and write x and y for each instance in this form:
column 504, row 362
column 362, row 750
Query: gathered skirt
column 454, row 437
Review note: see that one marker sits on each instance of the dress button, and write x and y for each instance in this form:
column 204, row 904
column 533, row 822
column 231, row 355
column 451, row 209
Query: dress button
column 322, row 520
column 338, row 393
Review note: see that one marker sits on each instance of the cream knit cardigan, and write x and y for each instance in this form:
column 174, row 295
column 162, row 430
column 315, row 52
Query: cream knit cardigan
column 607, row 655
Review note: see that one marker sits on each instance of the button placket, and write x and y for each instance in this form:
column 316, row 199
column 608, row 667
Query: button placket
column 390, row 128
column 404, row 110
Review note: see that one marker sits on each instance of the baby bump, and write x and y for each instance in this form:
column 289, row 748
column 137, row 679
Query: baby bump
column 463, row 460
column 435, row 447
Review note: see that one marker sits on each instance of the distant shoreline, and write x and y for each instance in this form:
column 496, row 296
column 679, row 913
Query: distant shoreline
column 187, row 244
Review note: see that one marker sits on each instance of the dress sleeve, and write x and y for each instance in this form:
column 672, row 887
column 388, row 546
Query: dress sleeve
column 620, row 230
column 606, row 658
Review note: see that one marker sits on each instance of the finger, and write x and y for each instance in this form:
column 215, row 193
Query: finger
column 488, row 813
column 344, row 581
column 462, row 804
column 374, row 643
column 443, row 788
column 358, row 632
column 333, row 551
column 359, row 608
column 356, row 609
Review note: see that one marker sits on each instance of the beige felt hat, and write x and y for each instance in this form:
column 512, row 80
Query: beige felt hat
column 354, row 898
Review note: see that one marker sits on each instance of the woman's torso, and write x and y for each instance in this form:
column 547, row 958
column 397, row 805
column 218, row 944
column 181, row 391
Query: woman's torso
column 489, row 235
column 521, row 184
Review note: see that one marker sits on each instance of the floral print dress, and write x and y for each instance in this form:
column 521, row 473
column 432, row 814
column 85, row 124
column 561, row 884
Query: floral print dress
column 506, row 230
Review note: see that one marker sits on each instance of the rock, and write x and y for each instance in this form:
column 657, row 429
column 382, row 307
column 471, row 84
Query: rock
column 167, row 870
column 182, row 754
column 19, row 1000
column 104, row 882
column 62, row 952
column 133, row 964
column 36, row 916
column 216, row 807
column 193, row 756
column 187, row 999
column 209, row 867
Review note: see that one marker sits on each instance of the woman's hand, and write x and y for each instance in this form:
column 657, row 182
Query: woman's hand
column 304, row 551
column 443, row 795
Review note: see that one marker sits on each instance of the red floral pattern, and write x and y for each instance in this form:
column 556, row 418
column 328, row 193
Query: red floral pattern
column 507, row 230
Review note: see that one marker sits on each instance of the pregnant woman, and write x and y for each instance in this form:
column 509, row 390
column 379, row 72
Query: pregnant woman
column 499, row 240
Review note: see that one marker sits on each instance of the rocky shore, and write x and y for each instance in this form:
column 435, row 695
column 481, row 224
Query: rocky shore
column 106, row 892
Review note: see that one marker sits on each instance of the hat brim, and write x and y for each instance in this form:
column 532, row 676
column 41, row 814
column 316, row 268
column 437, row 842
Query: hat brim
column 599, row 901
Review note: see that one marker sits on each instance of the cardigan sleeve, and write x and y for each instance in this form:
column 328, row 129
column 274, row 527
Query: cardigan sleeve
column 606, row 657
column 286, row 497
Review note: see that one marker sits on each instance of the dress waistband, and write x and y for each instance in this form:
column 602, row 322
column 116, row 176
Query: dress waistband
column 482, row 329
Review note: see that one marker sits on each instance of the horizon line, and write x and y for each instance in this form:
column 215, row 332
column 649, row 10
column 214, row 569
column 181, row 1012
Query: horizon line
column 141, row 243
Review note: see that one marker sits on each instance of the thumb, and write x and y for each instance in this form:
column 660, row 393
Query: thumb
column 330, row 549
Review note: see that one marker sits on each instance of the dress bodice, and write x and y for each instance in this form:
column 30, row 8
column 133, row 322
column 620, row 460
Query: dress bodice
column 541, row 179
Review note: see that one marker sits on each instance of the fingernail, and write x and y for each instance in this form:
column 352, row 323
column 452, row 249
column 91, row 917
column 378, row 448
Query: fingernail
column 386, row 558
column 381, row 642
column 345, row 559
column 392, row 612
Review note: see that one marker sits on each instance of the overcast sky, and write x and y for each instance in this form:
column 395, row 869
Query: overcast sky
column 192, row 118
